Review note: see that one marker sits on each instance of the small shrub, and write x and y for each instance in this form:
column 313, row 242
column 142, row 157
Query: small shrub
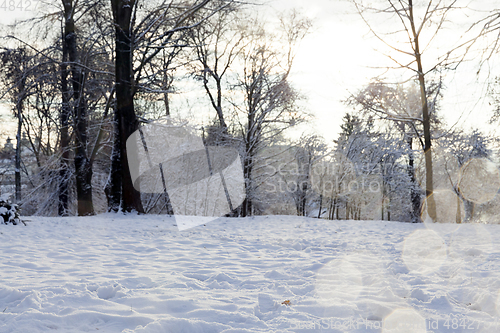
column 9, row 213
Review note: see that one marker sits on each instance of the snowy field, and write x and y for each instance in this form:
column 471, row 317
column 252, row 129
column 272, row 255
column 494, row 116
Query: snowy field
column 113, row 273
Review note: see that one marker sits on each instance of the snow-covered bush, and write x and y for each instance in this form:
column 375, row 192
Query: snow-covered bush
column 9, row 213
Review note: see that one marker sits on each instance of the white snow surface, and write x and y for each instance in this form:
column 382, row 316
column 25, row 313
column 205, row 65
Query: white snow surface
column 139, row 273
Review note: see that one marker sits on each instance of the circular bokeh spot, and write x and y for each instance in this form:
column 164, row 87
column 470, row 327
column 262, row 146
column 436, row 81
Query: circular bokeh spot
column 338, row 282
column 424, row 251
column 449, row 207
column 404, row 321
column 479, row 180
column 470, row 242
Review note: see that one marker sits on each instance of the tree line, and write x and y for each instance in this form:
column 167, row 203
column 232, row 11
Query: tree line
column 96, row 70
column 86, row 86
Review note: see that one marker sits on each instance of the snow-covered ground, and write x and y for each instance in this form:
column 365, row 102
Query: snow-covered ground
column 114, row 273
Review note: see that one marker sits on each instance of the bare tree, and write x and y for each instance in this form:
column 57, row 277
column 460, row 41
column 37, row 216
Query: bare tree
column 414, row 21
column 17, row 65
column 139, row 38
column 269, row 100
column 217, row 44
column 83, row 167
column 311, row 148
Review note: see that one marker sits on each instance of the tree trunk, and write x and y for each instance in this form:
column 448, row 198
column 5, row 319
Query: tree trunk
column 331, row 209
column 414, row 187
column 222, row 122
column 84, row 172
column 83, row 167
column 19, row 107
column 17, row 65
column 64, row 172
column 113, row 188
column 167, row 104
column 246, row 209
column 382, row 207
column 429, row 187
column 303, row 200
column 320, row 204
column 167, row 84
column 216, row 104
column 127, row 122
column 469, row 210
column 458, row 216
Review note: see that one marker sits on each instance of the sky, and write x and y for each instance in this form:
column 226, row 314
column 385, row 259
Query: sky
column 340, row 56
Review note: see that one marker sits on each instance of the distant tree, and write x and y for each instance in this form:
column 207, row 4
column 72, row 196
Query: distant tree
column 462, row 147
column 374, row 182
column 353, row 139
column 399, row 106
column 269, row 106
column 17, row 64
column 311, row 148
